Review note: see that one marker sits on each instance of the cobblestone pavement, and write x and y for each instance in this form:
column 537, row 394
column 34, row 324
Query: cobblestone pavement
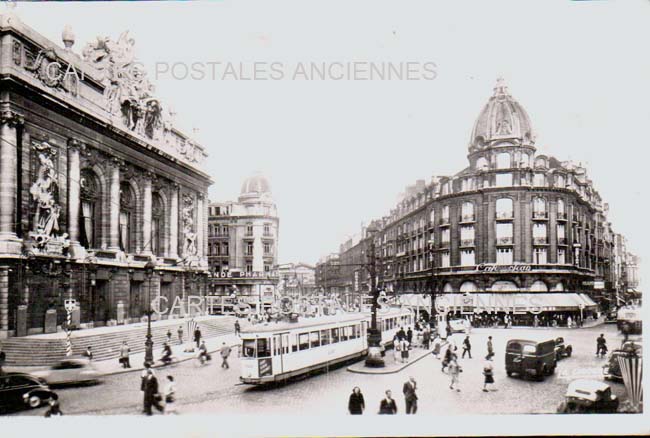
column 210, row 389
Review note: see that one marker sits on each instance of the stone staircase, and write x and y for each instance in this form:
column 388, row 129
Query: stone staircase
column 44, row 351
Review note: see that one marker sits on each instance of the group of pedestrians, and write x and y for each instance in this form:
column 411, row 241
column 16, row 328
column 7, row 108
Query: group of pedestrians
column 387, row 405
column 451, row 366
column 152, row 396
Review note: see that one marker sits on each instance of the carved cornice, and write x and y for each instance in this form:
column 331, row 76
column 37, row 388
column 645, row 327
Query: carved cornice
column 10, row 117
column 74, row 145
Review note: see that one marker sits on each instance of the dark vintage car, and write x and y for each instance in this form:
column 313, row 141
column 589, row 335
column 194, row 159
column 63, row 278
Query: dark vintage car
column 562, row 350
column 20, row 390
column 588, row 397
column 612, row 370
column 527, row 357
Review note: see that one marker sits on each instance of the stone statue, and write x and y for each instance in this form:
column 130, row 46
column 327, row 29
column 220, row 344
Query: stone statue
column 44, row 192
column 189, row 246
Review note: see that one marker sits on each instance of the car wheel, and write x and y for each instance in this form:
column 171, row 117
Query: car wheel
column 509, row 373
column 34, row 401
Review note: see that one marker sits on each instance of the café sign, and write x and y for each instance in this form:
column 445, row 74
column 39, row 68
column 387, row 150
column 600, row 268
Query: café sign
column 503, row 268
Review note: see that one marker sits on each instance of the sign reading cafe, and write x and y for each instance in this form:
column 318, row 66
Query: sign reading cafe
column 503, row 268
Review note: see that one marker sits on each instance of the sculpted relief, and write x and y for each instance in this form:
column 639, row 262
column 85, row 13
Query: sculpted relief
column 189, row 235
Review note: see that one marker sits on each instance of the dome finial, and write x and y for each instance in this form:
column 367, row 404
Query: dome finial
column 501, row 89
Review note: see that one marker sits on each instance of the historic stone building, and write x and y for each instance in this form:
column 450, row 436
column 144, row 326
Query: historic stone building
column 297, row 279
column 514, row 220
column 243, row 244
column 95, row 184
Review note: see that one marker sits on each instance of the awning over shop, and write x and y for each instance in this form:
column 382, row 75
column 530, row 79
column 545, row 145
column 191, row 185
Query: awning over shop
column 563, row 301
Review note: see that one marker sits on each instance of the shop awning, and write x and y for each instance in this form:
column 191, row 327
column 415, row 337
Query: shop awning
column 562, row 301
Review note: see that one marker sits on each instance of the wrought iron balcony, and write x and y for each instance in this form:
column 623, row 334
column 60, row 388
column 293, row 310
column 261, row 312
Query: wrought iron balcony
column 466, row 218
column 540, row 215
column 505, row 241
column 504, row 215
column 467, row 242
column 540, row 240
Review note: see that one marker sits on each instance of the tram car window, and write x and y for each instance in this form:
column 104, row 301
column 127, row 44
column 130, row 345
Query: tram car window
column 314, row 339
column 335, row 335
column 263, row 348
column 304, row 341
column 248, row 346
column 324, row 337
column 344, row 334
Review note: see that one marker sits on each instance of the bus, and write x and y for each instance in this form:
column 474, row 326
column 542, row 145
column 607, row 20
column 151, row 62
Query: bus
column 275, row 352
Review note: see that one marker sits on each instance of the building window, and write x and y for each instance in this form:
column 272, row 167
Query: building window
column 467, row 235
column 249, row 266
column 267, row 229
column 504, row 233
column 445, row 235
column 225, row 249
column 445, row 188
column 432, row 216
column 444, row 259
column 539, row 233
column 525, row 160
column 538, row 286
column 504, row 209
column 561, row 256
column 267, row 248
column 89, row 218
column 445, row 214
column 561, row 209
column 504, row 256
column 249, row 229
column 561, row 234
column 539, row 207
column 503, row 179
column 559, row 181
column 127, row 209
column 157, row 215
column 503, row 161
column 539, row 257
column 267, row 268
column 467, row 257
column 467, row 211
column 539, row 180
column 482, row 163
column 249, row 248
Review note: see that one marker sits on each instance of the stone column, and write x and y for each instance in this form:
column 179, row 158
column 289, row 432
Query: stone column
column 146, row 214
column 4, row 301
column 74, row 191
column 114, row 206
column 9, row 121
column 173, row 223
column 199, row 226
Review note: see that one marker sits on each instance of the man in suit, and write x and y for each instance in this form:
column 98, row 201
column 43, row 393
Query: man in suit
column 388, row 405
column 151, row 395
column 410, row 397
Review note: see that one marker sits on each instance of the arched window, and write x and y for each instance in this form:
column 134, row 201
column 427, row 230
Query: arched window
column 504, row 286
column 540, row 162
column 468, row 286
column 539, row 206
column 448, row 288
column 504, row 209
column 445, row 213
column 482, row 163
column 90, row 214
column 538, row 286
column 467, row 211
column 503, row 161
column 525, row 160
column 561, row 207
column 127, row 216
column 157, row 221
column 559, row 287
column 559, row 181
column 539, row 180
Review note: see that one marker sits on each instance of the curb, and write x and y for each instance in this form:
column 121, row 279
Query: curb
column 397, row 370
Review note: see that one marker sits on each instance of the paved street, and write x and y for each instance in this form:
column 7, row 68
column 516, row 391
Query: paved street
column 210, row 389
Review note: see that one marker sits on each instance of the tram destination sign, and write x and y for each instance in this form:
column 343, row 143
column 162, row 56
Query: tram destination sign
column 503, row 268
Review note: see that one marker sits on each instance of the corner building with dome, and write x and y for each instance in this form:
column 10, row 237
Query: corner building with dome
column 515, row 221
column 242, row 247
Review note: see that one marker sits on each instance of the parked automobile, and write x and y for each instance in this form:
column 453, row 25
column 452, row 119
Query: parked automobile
column 71, row 370
column 526, row 357
column 588, row 397
column 562, row 350
column 459, row 326
column 22, row 390
column 611, row 316
column 612, row 370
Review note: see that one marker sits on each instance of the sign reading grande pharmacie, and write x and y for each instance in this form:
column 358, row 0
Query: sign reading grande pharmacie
column 239, row 274
column 503, row 268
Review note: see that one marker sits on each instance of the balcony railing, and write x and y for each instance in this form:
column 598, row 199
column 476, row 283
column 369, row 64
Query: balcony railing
column 467, row 218
column 467, row 242
column 444, row 221
column 540, row 215
column 504, row 241
column 504, row 215
column 562, row 241
column 561, row 216
column 540, row 240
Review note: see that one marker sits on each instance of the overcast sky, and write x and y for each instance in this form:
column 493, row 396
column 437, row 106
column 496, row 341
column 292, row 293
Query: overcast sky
column 338, row 152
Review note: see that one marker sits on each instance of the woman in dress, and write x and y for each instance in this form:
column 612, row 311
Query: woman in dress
column 356, row 403
column 170, row 396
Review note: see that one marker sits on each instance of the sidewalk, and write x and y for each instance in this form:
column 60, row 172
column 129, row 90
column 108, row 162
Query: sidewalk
column 393, row 366
column 112, row 366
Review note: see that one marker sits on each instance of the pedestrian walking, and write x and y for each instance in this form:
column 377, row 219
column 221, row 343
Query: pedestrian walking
column 409, row 336
column 601, row 346
column 237, row 328
column 170, row 395
column 151, row 394
column 449, row 355
column 88, row 353
column 180, row 334
column 410, row 397
column 454, row 372
column 197, row 336
column 569, row 322
column 467, row 348
column 124, row 355
column 436, row 347
column 488, row 375
column 356, row 403
column 490, row 349
column 169, row 336
column 225, row 352
column 388, row 405
column 404, row 347
column 397, row 349
column 426, row 339
column 203, row 355
column 401, row 334
column 54, row 410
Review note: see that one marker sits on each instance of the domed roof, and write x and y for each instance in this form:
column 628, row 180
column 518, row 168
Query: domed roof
column 502, row 118
column 256, row 184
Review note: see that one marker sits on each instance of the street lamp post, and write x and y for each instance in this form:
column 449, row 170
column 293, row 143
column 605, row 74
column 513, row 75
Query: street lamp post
column 148, row 343
column 374, row 358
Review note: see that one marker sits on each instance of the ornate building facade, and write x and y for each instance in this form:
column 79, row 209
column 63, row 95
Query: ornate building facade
column 514, row 220
column 96, row 184
column 243, row 244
